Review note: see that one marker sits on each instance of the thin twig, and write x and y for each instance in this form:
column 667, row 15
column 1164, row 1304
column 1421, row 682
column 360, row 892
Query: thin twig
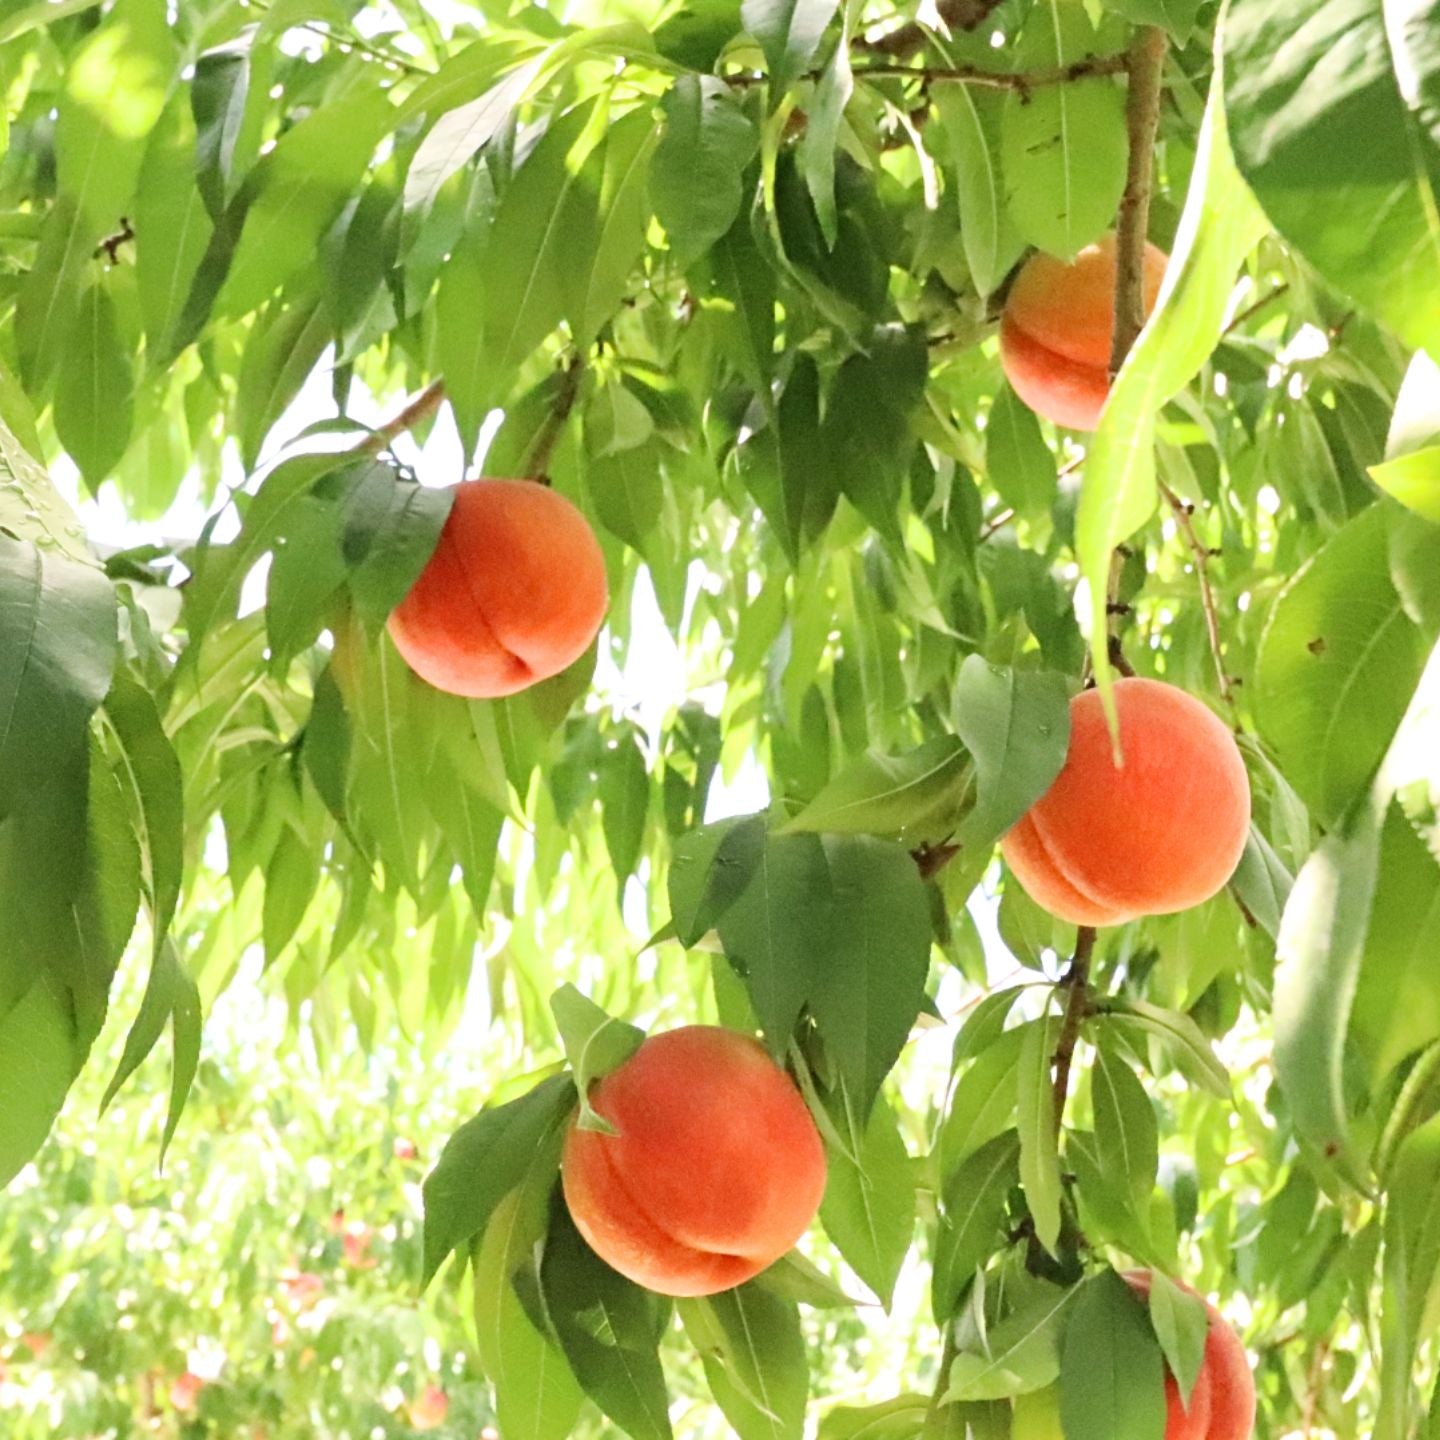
column 910, row 39
column 421, row 408
column 996, row 522
column 1256, row 308
column 1021, row 80
column 1146, row 62
column 1201, row 556
column 1077, row 1006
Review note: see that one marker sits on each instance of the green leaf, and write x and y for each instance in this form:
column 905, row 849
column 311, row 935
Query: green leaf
column 536, row 1394
column 699, row 162
column 608, row 1329
column 897, row 1419
column 1262, row 882
column 391, row 528
column 94, row 390
column 172, row 228
column 869, row 435
column 1016, row 724
column 1112, row 1373
column 1063, row 146
column 1021, row 466
column 1218, row 227
column 1176, row 16
column 483, row 1160
column 284, row 346
column 227, row 98
column 169, row 993
column 1039, row 1132
column 219, row 571
column 775, row 931
column 808, row 488
column 1181, row 1039
column 595, row 1044
column 876, row 962
column 971, row 119
column 793, row 1277
column 39, row 1056
column 1305, row 83
column 822, row 132
column 627, row 491
column 312, row 171
column 1338, row 662
column 1022, row 1352
column 461, row 130
column 149, row 766
column 754, row 1358
column 869, row 1209
column 1411, row 1270
column 1411, row 471
column 1182, row 1326
column 920, row 793
column 292, row 875
column 57, row 651
column 594, row 289
column 501, row 293
column 1397, row 1008
column 976, row 1196
column 624, row 803
column 789, row 33
column 982, row 1105
column 114, row 90
column 1126, row 1134
column 31, row 507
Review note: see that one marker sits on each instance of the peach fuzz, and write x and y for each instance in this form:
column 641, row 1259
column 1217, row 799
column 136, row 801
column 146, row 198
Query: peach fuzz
column 514, row 592
column 1056, row 328
column 717, row 1169
column 1222, row 1404
column 1160, row 833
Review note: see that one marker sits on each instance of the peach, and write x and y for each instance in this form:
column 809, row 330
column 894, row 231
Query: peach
column 1222, row 1404
column 1163, row 831
column 716, row 1170
column 514, row 592
column 1056, row 328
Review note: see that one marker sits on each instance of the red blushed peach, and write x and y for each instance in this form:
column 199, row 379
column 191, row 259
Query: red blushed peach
column 514, row 592
column 717, row 1169
column 1222, row 1404
column 1162, row 832
column 1056, row 328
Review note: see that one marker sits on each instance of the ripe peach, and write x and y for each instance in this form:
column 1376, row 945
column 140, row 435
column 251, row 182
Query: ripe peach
column 514, row 592
column 1055, row 332
column 1161, row 833
column 1222, row 1404
column 715, row 1173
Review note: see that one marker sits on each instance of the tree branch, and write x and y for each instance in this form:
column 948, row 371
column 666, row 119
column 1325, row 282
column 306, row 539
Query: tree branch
column 1146, row 63
column 537, row 460
column 419, row 409
column 1256, row 308
column 1077, row 1006
column 1021, row 80
column 910, row 39
column 1201, row 555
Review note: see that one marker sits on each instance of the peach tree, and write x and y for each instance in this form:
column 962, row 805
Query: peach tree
column 750, row 284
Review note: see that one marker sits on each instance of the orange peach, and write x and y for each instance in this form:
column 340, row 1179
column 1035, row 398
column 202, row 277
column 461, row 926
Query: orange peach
column 1163, row 831
column 1056, row 328
column 715, row 1172
column 514, row 592
column 1222, row 1404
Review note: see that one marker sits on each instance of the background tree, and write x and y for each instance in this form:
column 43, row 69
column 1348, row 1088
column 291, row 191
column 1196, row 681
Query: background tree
column 730, row 277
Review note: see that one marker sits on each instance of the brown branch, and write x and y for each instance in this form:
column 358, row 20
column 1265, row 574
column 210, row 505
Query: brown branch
column 419, row 409
column 538, row 459
column 1201, row 556
column 1146, row 63
column 1020, row 80
column 1255, row 309
column 910, row 39
column 995, row 523
column 1077, row 1007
